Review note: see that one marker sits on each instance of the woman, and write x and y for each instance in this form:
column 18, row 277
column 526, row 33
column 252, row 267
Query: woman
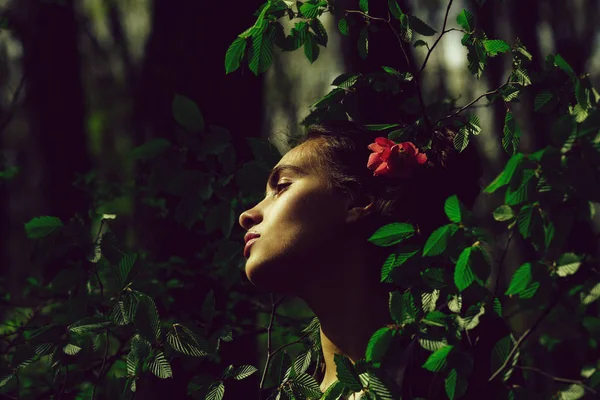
column 324, row 199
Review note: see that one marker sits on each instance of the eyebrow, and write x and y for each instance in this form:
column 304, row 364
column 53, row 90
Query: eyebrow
column 275, row 172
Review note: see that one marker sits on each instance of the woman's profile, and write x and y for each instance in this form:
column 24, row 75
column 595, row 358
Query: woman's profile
column 323, row 200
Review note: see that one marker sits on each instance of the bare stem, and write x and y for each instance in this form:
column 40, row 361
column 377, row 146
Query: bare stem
column 102, row 366
column 365, row 15
column 474, row 101
column 439, row 37
column 524, row 336
column 558, row 379
column 501, row 262
column 264, row 375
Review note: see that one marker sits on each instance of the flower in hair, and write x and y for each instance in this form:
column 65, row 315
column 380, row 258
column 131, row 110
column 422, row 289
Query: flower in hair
column 395, row 160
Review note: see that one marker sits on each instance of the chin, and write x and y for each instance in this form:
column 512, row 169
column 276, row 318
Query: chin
column 272, row 276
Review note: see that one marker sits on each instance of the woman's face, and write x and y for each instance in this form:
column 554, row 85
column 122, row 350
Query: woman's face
column 301, row 225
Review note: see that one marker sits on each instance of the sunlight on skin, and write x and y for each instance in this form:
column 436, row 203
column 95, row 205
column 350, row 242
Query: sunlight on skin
column 308, row 249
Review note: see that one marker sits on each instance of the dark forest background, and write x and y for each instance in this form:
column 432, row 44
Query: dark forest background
column 83, row 83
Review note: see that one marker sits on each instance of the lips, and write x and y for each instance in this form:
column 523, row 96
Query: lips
column 248, row 244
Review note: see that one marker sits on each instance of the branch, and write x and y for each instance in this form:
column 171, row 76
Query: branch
column 557, row 379
column 475, row 101
column 524, row 336
column 439, row 37
column 291, row 343
column 264, row 375
column 512, row 232
column 366, row 15
column 103, row 364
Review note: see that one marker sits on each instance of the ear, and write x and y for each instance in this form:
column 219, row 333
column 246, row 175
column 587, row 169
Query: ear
column 356, row 212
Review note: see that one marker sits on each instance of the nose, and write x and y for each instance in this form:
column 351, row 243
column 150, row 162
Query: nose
column 249, row 218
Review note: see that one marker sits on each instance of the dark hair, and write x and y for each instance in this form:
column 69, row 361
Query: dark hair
column 419, row 199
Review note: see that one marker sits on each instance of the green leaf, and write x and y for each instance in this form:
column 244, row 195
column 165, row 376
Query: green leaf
column 471, row 318
column 216, row 391
column 420, row 43
column 500, row 353
column 506, row 175
column 466, row 20
column 311, row 48
column 393, row 261
column 523, row 190
column 421, row 27
column 89, row 324
column 435, row 318
column 438, row 240
column 405, row 28
column 561, row 63
column 382, row 127
column 568, row 264
column 150, row 149
column 306, row 386
column 455, row 384
column 590, row 295
column 504, row 213
column 243, row 372
column 187, row 113
column 343, row 26
column 463, row 274
column 40, row 227
column 521, row 76
column 186, row 341
column 261, row 55
column 541, row 99
column 334, row 392
column 345, row 80
column 310, row 10
column 320, row 32
column 124, row 268
column 147, row 320
column 71, row 349
column 512, row 134
column 159, row 366
column 301, row 363
column 455, row 209
column 346, row 373
column 363, row 5
column 497, row 306
column 522, row 282
column 429, row 300
column 391, row 234
column 494, row 47
column 234, row 54
column 395, row 9
column 378, row 344
column 363, row 43
column 461, row 139
column 437, row 361
column 528, row 219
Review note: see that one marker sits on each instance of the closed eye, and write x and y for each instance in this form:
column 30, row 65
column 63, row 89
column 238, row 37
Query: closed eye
column 281, row 187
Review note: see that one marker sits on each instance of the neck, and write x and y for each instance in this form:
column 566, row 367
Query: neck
column 350, row 306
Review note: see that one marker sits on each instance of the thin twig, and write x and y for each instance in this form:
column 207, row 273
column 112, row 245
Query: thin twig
column 474, row 101
column 290, row 344
column 264, row 375
column 65, row 382
column 558, row 379
column 365, row 15
column 439, row 37
column 524, row 336
column 17, row 378
column 102, row 366
column 502, row 261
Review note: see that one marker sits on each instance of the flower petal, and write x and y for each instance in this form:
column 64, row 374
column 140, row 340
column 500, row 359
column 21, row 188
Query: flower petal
column 375, row 147
column 384, row 142
column 421, row 158
column 382, row 169
column 409, row 148
column 374, row 161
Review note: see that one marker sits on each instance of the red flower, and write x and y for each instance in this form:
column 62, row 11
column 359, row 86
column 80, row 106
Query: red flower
column 396, row 160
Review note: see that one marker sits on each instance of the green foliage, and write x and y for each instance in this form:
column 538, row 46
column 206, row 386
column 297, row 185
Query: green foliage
column 120, row 319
